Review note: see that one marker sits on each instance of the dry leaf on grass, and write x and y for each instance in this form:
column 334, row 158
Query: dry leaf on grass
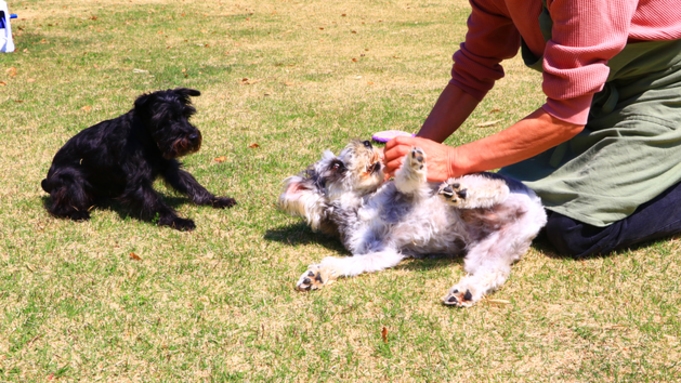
column 220, row 159
column 247, row 81
column 488, row 123
column 384, row 335
column 135, row 257
column 254, row 146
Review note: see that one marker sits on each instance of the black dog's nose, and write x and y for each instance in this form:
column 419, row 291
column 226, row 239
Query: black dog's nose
column 193, row 137
column 367, row 144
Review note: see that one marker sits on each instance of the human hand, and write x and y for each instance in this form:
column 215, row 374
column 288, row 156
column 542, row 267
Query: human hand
column 439, row 157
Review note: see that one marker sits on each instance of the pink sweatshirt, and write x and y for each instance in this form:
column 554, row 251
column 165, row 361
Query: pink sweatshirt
column 585, row 35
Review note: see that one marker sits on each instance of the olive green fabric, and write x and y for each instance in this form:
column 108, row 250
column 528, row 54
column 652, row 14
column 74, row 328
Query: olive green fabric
column 630, row 150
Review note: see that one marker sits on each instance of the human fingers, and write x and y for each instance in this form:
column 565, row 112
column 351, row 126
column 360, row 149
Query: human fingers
column 393, row 153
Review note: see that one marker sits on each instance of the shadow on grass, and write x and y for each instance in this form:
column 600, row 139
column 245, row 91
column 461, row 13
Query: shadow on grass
column 301, row 234
column 123, row 211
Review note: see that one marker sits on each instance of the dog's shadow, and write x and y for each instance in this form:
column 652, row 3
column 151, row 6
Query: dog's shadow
column 301, row 234
column 124, row 212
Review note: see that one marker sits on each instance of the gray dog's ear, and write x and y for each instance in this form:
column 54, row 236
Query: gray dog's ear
column 302, row 197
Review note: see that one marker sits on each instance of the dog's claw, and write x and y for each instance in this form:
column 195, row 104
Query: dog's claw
column 183, row 224
column 453, row 193
column 80, row 215
column 459, row 299
column 312, row 279
column 223, row 202
column 418, row 157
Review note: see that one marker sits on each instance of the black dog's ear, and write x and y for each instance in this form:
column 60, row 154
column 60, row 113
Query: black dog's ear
column 142, row 101
column 186, row 92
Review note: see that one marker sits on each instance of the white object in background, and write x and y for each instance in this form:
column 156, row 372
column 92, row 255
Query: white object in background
column 6, row 43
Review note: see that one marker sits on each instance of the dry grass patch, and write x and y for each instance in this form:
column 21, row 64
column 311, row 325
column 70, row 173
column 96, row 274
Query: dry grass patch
column 280, row 81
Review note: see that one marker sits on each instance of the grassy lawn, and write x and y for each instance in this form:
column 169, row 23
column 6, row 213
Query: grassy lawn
column 281, row 81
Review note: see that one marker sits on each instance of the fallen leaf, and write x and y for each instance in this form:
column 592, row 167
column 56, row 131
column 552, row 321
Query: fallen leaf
column 354, row 60
column 246, row 81
column 220, row 159
column 93, row 18
column 384, row 335
column 135, row 257
column 2, row 83
column 254, row 146
column 11, row 71
column 86, row 108
column 488, row 123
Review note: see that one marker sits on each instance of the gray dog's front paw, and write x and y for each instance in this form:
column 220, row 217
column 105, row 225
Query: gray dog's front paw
column 416, row 160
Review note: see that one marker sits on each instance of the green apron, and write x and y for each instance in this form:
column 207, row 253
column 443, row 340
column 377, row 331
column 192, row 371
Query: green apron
column 630, row 149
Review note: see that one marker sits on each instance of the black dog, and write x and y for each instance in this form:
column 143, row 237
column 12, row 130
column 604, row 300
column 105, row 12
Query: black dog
column 121, row 158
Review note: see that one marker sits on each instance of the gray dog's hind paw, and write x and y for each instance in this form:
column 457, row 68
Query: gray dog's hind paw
column 453, row 193
column 458, row 298
column 313, row 279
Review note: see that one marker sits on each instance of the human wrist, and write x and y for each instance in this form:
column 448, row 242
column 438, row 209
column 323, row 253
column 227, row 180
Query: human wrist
column 452, row 162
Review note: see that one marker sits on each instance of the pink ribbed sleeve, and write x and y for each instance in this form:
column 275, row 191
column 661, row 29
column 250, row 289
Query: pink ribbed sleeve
column 491, row 38
column 586, row 34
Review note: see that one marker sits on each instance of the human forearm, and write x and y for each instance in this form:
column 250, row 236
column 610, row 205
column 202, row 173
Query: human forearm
column 527, row 138
column 450, row 111
column 530, row 136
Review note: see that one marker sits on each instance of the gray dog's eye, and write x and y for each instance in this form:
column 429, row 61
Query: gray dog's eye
column 367, row 144
column 338, row 166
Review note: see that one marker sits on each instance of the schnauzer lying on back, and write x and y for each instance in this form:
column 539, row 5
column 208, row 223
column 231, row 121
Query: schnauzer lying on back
column 489, row 218
column 121, row 158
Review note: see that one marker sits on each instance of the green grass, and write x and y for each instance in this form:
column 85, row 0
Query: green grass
column 218, row 304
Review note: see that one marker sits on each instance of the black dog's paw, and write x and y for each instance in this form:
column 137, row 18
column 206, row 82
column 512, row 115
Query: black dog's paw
column 222, row 202
column 181, row 224
column 79, row 215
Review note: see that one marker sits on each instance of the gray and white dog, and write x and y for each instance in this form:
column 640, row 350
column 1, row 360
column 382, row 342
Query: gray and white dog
column 490, row 219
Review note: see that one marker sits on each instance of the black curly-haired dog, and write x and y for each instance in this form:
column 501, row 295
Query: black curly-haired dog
column 120, row 159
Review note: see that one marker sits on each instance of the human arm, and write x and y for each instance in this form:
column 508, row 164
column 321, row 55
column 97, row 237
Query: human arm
column 450, row 111
column 528, row 137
